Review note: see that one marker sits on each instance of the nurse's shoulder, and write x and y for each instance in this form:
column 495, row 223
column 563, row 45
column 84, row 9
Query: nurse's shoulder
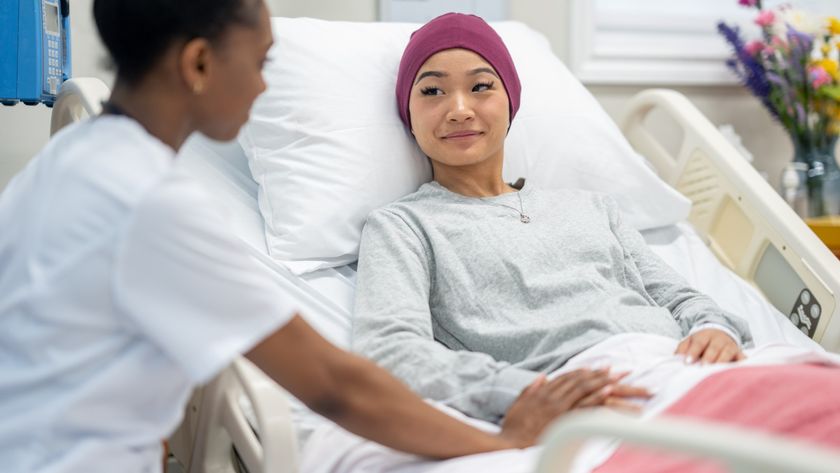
column 81, row 188
column 114, row 154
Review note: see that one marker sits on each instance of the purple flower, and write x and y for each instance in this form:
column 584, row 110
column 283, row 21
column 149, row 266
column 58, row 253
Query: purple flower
column 774, row 78
column 800, row 51
column 747, row 3
column 747, row 67
column 799, row 39
column 801, row 117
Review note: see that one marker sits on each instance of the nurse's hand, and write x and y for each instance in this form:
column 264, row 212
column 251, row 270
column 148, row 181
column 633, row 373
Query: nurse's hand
column 544, row 401
column 710, row 346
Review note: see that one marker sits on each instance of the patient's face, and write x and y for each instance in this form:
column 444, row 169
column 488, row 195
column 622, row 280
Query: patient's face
column 459, row 109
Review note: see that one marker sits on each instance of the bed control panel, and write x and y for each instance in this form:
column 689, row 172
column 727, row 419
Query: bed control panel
column 806, row 312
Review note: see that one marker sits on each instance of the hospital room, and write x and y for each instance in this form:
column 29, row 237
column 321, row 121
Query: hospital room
column 419, row 236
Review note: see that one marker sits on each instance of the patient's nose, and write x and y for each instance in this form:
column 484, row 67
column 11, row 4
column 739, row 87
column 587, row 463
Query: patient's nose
column 460, row 108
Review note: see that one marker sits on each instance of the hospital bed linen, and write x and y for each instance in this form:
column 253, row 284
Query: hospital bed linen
column 650, row 360
column 764, row 398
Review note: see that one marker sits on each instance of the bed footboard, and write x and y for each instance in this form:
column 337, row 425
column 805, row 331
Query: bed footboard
column 735, row 448
column 743, row 220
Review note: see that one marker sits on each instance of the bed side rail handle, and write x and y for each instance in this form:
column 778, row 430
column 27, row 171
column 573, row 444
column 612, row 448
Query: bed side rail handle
column 744, row 221
column 78, row 98
column 269, row 446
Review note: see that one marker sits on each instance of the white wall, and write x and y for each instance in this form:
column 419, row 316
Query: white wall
column 24, row 130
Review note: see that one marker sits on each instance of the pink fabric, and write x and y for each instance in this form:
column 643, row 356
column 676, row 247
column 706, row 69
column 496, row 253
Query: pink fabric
column 799, row 401
column 449, row 31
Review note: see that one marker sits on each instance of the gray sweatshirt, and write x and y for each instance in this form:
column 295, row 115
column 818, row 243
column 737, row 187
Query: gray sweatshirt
column 466, row 304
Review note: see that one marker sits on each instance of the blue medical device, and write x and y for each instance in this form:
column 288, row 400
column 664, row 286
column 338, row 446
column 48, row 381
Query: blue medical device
column 34, row 50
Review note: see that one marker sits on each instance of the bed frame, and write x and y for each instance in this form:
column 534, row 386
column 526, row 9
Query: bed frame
column 747, row 225
column 744, row 221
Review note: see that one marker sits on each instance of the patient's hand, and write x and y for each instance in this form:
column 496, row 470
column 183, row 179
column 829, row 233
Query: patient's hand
column 710, row 346
column 543, row 401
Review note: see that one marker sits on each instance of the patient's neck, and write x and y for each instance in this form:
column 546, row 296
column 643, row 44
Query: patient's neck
column 482, row 179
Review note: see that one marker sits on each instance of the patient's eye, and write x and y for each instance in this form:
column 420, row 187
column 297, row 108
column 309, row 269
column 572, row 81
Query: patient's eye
column 431, row 91
column 482, row 86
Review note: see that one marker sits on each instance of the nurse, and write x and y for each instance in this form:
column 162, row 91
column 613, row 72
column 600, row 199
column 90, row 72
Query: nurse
column 120, row 288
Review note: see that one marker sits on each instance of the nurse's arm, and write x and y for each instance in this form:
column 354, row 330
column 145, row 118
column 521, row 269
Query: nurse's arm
column 368, row 401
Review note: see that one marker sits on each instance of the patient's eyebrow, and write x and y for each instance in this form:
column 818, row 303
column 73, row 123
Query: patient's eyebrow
column 430, row 74
column 479, row 70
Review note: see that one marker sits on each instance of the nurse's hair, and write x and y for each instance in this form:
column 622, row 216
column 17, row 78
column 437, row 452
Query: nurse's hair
column 137, row 32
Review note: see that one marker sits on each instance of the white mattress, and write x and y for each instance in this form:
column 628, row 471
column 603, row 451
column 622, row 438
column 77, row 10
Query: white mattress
column 325, row 297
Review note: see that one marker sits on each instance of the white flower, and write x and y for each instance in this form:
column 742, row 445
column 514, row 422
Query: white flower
column 798, row 19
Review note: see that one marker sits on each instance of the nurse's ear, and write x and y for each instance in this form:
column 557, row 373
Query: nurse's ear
column 194, row 64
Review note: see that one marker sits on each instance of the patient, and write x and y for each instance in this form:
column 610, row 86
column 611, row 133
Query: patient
column 469, row 288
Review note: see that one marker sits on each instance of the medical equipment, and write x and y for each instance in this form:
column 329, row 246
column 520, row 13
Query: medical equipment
column 34, row 50
column 735, row 213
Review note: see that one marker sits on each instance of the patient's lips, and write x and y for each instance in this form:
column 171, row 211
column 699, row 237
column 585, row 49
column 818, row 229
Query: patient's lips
column 462, row 135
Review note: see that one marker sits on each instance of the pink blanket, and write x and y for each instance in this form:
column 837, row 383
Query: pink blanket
column 800, row 401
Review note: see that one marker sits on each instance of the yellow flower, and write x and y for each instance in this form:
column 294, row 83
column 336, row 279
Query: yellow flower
column 830, row 66
column 833, row 25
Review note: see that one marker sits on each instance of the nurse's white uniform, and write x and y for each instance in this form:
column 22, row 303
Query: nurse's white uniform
column 120, row 289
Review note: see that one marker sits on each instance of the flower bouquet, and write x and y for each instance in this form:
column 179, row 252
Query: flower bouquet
column 792, row 68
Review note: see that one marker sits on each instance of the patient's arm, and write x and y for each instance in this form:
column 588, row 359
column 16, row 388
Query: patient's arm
column 690, row 308
column 366, row 400
column 392, row 325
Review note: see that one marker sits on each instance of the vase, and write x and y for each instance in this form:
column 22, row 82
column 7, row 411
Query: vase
column 816, row 167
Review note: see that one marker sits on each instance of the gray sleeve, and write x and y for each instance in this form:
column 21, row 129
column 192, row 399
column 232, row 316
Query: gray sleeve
column 392, row 325
column 667, row 288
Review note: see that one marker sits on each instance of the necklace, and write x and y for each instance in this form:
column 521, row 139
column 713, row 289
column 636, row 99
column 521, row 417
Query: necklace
column 522, row 217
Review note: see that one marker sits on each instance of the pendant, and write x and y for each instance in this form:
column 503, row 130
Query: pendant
column 524, row 218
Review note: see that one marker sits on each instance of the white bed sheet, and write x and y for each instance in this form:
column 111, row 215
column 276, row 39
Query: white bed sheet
column 325, row 299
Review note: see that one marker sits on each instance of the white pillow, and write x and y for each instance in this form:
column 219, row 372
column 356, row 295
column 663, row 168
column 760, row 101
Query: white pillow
column 326, row 145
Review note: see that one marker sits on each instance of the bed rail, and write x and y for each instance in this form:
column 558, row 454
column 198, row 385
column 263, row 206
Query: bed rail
column 739, row 450
column 78, row 98
column 743, row 220
column 222, row 424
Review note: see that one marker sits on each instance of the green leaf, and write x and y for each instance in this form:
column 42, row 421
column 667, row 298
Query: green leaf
column 831, row 91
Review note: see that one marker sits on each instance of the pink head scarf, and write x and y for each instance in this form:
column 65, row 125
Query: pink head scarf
column 449, row 31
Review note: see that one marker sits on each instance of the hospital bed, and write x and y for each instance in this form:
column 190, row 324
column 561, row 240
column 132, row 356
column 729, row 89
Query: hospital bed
column 242, row 421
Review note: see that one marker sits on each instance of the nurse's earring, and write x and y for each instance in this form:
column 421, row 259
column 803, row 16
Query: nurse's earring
column 198, row 87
